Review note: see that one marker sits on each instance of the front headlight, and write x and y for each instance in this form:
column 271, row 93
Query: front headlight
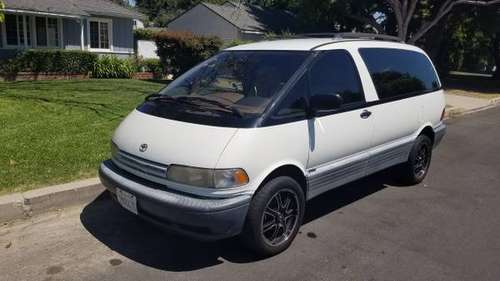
column 210, row 178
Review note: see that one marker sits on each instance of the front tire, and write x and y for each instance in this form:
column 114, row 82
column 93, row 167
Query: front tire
column 275, row 216
column 415, row 169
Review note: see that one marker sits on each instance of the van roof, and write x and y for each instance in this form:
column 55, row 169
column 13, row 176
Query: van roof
column 308, row 44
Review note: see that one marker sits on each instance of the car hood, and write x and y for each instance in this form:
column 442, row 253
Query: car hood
column 172, row 142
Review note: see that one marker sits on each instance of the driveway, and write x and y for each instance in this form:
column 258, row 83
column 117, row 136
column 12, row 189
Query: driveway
column 447, row 228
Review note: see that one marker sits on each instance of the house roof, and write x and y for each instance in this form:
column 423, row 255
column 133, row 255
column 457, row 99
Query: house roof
column 74, row 8
column 254, row 18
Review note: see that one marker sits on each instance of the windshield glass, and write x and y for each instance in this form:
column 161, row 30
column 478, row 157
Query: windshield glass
column 238, row 84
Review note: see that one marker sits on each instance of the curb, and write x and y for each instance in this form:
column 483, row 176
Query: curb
column 26, row 204
column 456, row 112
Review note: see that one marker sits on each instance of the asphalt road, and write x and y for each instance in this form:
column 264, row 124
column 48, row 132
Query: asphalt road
column 447, row 228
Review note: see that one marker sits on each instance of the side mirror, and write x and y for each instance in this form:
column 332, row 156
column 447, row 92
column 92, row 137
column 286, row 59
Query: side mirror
column 325, row 103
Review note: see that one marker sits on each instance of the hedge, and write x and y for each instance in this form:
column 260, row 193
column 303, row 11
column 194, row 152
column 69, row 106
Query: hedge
column 58, row 61
column 144, row 34
column 151, row 65
column 179, row 51
column 113, row 67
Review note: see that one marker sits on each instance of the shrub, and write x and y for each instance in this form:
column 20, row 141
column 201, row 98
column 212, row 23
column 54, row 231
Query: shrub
column 10, row 67
column 113, row 67
column 284, row 34
column 151, row 65
column 237, row 42
column 179, row 51
column 144, row 34
column 59, row 61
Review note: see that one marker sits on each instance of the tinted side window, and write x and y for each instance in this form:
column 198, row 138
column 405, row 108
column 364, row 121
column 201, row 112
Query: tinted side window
column 399, row 72
column 333, row 73
column 293, row 106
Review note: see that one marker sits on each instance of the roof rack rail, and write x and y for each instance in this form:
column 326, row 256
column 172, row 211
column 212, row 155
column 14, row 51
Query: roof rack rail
column 354, row 35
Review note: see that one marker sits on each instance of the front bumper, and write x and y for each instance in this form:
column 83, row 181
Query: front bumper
column 200, row 218
column 439, row 132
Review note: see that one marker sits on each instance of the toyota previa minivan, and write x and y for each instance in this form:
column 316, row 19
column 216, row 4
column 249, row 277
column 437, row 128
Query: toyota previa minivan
column 239, row 143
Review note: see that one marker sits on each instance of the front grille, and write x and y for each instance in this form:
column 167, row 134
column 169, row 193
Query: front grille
column 134, row 164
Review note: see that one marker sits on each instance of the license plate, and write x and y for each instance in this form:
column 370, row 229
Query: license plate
column 127, row 200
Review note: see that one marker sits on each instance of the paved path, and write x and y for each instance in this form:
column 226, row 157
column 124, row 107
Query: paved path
column 447, row 228
column 465, row 102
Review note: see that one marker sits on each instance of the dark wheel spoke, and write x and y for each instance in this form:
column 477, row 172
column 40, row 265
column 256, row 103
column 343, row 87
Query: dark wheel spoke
column 271, row 212
column 289, row 217
column 286, row 204
column 275, row 234
column 269, row 226
column 280, row 201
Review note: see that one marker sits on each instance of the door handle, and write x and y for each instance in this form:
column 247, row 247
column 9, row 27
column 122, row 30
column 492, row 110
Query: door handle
column 365, row 114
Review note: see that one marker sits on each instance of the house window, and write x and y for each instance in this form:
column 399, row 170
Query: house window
column 47, row 32
column 100, row 34
column 17, row 30
column 24, row 30
column 11, row 30
column 28, row 30
column 41, row 32
column 52, row 32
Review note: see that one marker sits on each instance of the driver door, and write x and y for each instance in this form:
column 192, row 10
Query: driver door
column 340, row 137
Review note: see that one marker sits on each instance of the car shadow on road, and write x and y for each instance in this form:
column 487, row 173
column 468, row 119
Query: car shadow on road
column 146, row 244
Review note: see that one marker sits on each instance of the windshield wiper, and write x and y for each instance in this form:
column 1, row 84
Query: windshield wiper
column 159, row 97
column 191, row 101
column 226, row 108
column 166, row 98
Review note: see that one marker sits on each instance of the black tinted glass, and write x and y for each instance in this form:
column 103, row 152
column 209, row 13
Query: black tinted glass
column 399, row 72
column 293, row 106
column 335, row 73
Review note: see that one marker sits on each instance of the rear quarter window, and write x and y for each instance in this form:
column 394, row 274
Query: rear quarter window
column 398, row 73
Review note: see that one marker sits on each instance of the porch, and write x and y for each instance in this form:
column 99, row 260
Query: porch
column 42, row 30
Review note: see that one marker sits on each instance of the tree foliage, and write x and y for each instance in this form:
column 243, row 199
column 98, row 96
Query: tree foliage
column 180, row 51
column 410, row 20
column 459, row 33
column 2, row 6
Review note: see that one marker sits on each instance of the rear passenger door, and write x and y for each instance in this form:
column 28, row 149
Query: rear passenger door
column 400, row 78
column 339, row 139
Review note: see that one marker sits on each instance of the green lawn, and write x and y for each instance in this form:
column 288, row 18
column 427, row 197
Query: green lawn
column 58, row 131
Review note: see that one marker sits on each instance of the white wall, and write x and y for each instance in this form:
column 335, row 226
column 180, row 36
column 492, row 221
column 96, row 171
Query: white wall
column 147, row 49
column 138, row 24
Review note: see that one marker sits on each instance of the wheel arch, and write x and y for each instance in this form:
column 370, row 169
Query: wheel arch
column 289, row 170
column 428, row 131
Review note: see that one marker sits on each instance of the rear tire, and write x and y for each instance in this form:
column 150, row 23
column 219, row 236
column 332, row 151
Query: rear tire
column 274, row 217
column 415, row 169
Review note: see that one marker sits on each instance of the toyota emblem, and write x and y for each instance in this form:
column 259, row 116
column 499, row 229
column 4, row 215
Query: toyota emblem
column 143, row 147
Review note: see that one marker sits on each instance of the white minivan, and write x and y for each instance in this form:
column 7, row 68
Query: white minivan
column 239, row 143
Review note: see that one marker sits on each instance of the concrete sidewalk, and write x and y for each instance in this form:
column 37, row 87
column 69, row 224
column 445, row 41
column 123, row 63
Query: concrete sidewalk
column 458, row 104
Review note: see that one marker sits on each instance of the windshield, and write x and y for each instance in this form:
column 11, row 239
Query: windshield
column 239, row 84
